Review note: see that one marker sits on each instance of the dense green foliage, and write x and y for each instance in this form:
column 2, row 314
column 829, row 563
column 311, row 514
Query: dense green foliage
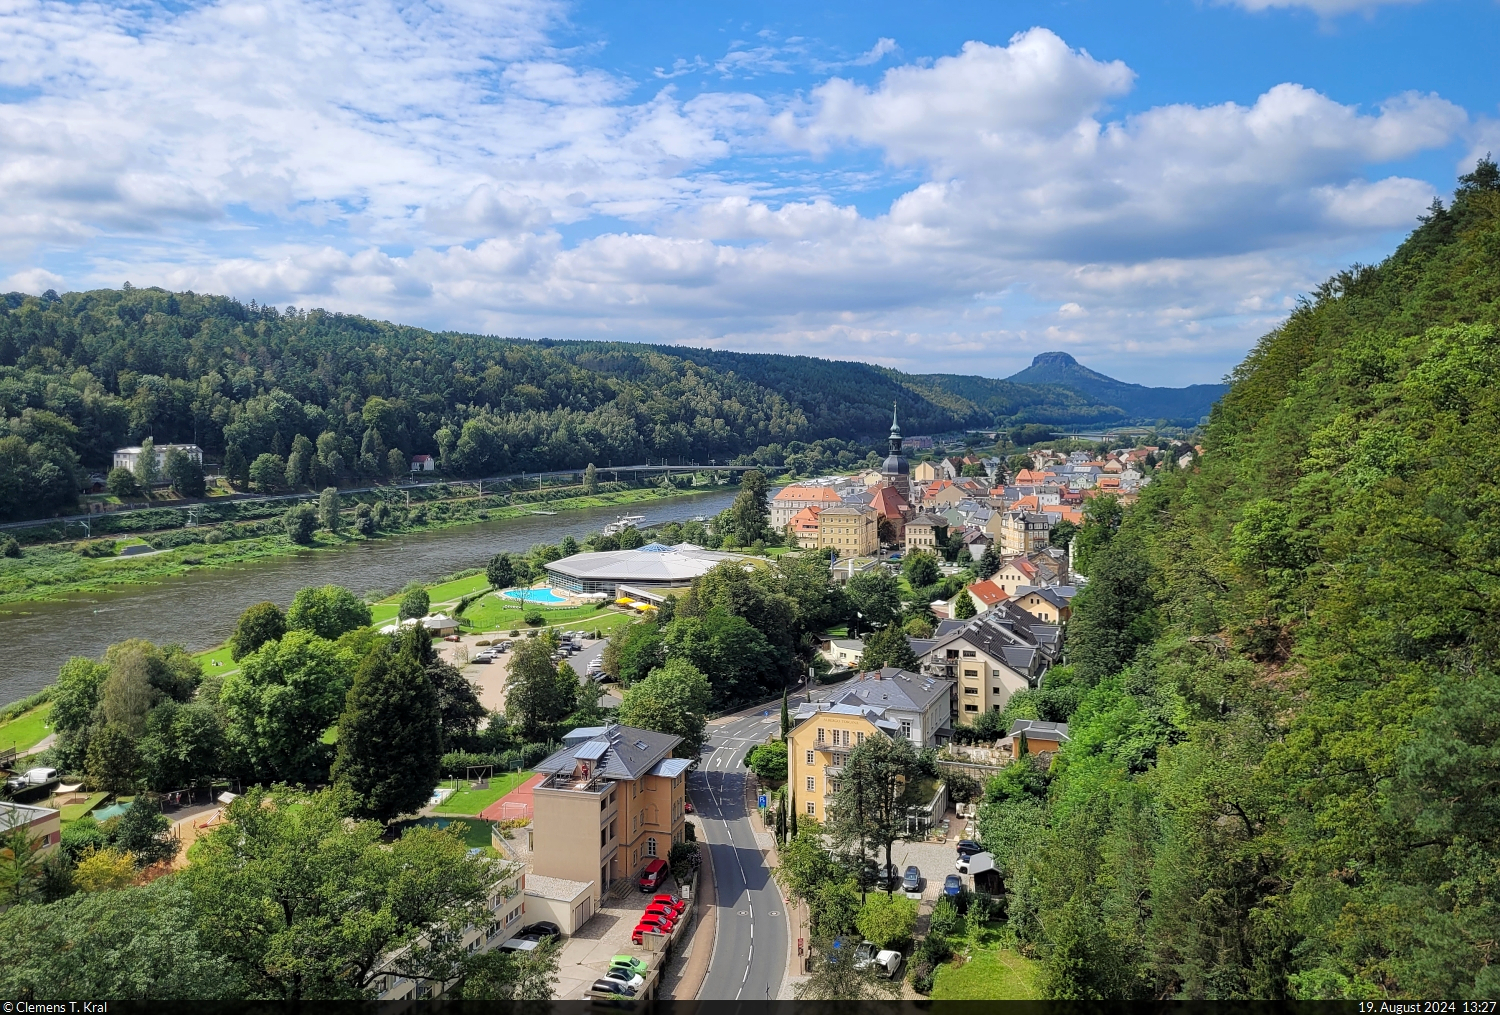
column 1280, row 778
column 308, row 398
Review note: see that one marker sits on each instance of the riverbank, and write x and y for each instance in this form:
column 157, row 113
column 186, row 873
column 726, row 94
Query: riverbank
column 197, row 607
column 50, row 573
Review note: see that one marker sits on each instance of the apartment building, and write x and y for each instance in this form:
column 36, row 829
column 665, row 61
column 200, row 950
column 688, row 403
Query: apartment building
column 791, row 499
column 823, row 733
column 619, row 782
column 43, row 824
column 991, row 657
column 851, row 529
column 922, row 706
column 126, row 458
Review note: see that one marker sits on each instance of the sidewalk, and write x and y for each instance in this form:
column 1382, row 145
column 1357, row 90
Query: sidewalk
column 707, row 903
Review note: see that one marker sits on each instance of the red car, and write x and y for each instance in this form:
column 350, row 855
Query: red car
column 654, row 874
column 642, row 929
column 671, row 901
column 663, row 911
column 687, row 806
column 661, row 921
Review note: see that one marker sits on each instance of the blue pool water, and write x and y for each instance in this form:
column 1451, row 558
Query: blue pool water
column 534, row 596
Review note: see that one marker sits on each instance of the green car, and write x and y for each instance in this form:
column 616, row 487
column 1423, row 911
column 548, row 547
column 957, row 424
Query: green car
column 630, row 962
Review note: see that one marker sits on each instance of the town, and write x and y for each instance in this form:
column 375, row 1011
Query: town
column 684, row 690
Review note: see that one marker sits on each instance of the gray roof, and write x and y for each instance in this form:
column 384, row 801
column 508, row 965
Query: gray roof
column 1008, row 633
column 1049, row 729
column 671, row 768
column 928, row 518
column 896, row 688
column 618, row 752
column 875, row 714
column 652, row 563
column 12, row 815
column 1058, row 595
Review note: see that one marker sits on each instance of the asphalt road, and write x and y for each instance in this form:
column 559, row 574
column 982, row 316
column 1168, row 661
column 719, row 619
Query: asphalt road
column 750, row 946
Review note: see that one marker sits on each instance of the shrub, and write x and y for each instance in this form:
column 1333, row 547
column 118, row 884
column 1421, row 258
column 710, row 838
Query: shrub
column 534, row 617
column 9, row 547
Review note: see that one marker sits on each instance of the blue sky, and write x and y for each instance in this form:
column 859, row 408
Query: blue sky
column 951, row 187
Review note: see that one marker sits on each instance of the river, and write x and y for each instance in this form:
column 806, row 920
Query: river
column 199, row 609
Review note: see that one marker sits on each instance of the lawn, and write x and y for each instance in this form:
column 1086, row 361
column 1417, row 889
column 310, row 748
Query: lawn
column 72, row 812
column 992, row 973
column 216, row 662
column 472, row 801
column 26, row 729
column 491, row 613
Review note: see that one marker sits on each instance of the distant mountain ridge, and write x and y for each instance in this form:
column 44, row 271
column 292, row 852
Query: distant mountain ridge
column 1179, row 405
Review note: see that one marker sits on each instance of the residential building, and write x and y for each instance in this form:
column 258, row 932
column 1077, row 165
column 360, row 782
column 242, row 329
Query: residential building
column 126, row 458
column 851, row 529
column 917, row 443
column 895, row 470
column 924, row 473
column 920, row 704
column 1023, row 531
column 1050, row 605
column 43, row 824
column 508, row 911
column 924, row 532
column 823, row 733
column 423, row 463
column 804, row 527
column 619, row 781
column 992, row 656
column 986, row 595
column 843, row 653
column 789, row 500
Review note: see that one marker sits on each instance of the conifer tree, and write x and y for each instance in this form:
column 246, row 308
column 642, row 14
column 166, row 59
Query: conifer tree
column 389, row 734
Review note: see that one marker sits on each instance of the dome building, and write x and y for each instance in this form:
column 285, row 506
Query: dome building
column 896, row 470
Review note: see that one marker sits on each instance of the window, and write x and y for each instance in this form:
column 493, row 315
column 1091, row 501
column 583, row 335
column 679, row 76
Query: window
column 651, row 846
column 861, row 738
column 603, row 833
column 811, row 785
column 971, row 690
column 970, row 654
column 906, row 728
column 971, row 673
column 809, row 757
column 820, row 734
column 994, row 690
column 971, row 708
column 810, row 808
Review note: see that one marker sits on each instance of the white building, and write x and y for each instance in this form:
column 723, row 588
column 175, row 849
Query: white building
column 126, row 458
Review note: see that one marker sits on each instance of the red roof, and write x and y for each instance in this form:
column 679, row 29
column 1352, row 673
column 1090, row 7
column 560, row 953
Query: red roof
column 889, row 502
column 988, row 593
column 813, row 493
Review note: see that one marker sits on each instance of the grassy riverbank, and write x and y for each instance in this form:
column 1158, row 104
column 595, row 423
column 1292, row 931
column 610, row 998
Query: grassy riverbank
column 57, row 570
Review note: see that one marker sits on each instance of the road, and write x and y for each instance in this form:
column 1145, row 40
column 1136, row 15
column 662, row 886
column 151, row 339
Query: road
column 750, row 945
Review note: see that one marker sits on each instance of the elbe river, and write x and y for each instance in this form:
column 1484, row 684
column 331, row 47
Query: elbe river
column 199, row 609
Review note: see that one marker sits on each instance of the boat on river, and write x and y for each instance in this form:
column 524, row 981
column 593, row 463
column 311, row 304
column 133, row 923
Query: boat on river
column 622, row 523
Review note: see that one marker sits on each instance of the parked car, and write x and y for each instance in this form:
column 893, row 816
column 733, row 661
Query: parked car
column 504, row 646
column 687, row 806
column 630, row 962
column 911, row 881
column 952, row 885
column 482, row 660
column 521, row 944
column 969, row 846
column 963, row 863
column 654, row 874
column 664, row 921
column 637, row 936
column 608, row 986
column 619, row 974
column 451, row 637
column 672, row 902
column 541, row 930
column 887, row 961
column 31, row 777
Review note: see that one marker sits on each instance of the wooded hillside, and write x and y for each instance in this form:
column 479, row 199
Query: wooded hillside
column 1283, row 701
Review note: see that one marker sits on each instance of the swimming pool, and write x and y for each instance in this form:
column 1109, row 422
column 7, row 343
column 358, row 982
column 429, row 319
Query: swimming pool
column 534, row 596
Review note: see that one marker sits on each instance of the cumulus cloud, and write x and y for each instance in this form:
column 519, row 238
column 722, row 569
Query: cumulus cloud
column 445, row 164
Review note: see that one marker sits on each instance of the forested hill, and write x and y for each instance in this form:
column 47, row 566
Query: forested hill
column 1283, row 695
column 85, row 373
column 1184, row 405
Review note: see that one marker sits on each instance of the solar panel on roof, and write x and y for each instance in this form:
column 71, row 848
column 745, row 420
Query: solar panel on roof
column 640, row 745
column 592, row 750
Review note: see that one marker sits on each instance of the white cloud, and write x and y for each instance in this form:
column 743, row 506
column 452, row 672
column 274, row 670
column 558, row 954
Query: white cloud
column 443, row 164
column 1323, row 8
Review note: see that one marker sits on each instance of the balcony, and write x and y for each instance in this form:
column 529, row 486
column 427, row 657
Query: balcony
column 572, row 783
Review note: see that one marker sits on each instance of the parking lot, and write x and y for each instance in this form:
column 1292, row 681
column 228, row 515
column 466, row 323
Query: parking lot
column 585, row 956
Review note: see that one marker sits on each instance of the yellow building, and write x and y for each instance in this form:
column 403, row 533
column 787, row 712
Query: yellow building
column 618, row 782
column 924, row 472
column 851, row 529
column 818, row 746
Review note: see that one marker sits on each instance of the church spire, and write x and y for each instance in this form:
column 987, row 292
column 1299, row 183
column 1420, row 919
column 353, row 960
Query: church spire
column 895, row 427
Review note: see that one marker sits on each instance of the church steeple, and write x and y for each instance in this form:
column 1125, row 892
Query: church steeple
column 895, row 469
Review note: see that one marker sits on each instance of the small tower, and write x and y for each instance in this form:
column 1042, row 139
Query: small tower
column 895, row 470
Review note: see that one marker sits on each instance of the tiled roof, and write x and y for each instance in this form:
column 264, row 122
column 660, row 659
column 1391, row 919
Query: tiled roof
column 896, row 688
column 988, row 592
column 818, row 494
